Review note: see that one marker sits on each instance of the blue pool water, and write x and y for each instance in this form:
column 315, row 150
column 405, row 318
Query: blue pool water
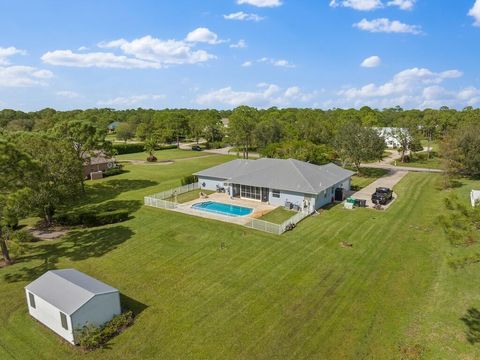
column 223, row 209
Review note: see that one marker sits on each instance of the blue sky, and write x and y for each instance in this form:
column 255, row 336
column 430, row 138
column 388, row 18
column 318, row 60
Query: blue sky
column 225, row 53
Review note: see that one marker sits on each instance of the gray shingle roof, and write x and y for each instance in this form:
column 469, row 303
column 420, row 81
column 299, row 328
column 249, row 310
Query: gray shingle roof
column 289, row 175
column 67, row 289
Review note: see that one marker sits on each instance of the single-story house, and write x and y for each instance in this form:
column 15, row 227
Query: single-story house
column 279, row 182
column 475, row 197
column 388, row 133
column 66, row 300
column 96, row 163
column 112, row 127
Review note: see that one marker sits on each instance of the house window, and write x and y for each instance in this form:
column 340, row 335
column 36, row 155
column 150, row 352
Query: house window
column 63, row 319
column 251, row 192
column 31, row 299
column 276, row 193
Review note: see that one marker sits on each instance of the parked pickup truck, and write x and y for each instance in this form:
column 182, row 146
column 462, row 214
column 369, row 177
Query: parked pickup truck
column 382, row 196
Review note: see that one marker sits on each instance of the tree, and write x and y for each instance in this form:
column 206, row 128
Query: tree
column 150, row 145
column 16, row 168
column 242, row 127
column 300, row 150
column 125, row 132
column 85, row 138
column 59, row 178
column 356, row 144
column 403, row 138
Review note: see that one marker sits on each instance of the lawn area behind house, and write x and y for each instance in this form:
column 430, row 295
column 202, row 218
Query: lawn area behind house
column 204, row 289
column 278, row 216
column 162, row 155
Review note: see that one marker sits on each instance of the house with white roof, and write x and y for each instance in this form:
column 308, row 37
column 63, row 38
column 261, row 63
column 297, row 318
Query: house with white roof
column 67, row 300
column 391, row 136
column 279, row 182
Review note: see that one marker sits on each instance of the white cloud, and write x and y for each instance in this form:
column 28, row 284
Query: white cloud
column 23, row 76
column 274, row 62
column 371, row 62
column 5, row 53
column 82, row 48
column 141, row 53
column 385, row 25
column 243, row 16
column 203, row 35
column 134, row 100
column 260, row 3
column 68, row 94
column 266, row 95
column 369, row 5
column 403, row 4
column 362, row 5
column 241, row 44
column 475, row 12
column 415, row 87
column 247, row 64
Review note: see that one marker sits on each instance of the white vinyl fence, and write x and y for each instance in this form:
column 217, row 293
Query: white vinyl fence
column 158, row 201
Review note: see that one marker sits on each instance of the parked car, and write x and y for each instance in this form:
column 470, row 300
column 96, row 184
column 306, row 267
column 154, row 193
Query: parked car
column 196, row 148
column 382, row 196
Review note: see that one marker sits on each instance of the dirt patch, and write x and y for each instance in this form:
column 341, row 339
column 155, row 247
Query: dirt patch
column 48, row 234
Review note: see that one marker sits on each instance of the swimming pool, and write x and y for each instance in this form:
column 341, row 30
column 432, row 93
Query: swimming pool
column 222, row 209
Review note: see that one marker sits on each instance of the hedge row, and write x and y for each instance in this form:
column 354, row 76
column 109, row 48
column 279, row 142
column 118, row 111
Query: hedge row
column 137, row 147
column 91, row 218
column 91, row 337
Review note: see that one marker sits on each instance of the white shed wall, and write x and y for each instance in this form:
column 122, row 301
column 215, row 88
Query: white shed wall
column 97, row 311
column 49, row 315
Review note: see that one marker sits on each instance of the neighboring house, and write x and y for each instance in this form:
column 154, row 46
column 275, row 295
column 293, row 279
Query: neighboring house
column 66, row 300
column 475, row 197
column 112, row 127
column 388, row 134
column 279, row 182
column 96, row 163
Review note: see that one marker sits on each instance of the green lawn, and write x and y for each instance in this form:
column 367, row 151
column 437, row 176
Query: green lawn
column 366, row 177
column 420, row 160
column 278, row 216
column 189, row 196
column 169, row 154
column 204, row 289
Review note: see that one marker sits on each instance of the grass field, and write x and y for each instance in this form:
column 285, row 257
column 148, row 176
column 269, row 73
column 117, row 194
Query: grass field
column 169, row 154
column 278, row 216
column 420, row 160
column 189, row 196
column 204, row 289
column 366, row 177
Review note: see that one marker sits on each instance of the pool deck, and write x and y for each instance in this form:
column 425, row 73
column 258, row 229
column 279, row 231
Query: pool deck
column 259, row 208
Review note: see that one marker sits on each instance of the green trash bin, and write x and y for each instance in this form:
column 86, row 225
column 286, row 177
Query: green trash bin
column 351, row 200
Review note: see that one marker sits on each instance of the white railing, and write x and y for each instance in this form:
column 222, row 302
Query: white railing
column 158, row 200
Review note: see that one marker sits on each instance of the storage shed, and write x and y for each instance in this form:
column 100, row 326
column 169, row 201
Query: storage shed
column 66, row 300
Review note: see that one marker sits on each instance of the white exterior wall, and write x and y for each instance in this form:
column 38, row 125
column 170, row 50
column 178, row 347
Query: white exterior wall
column 294, row 198
column 322, row 199
column 210, row 183
column 49, row 315
column 97, row 311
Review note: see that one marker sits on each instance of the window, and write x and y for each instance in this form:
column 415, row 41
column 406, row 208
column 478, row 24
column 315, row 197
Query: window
column 251, row 192
column 31, row 299
column 276, row 193
column 63, row 319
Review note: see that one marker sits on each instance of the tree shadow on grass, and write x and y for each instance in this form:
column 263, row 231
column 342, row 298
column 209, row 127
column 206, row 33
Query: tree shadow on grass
column 107, row 190
column 130, row 205
column 472, row 320
column 77, row 245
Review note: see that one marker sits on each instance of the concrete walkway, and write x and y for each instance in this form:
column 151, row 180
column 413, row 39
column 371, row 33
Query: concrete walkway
column 388, row 181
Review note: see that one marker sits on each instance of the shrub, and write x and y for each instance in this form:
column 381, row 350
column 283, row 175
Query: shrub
column 23, row 236
column 214, row 145
column 91, row 337
column 189, row 180
column 152, row 158
column 165, row 147
column 128, row 148
column 90, row 218
column 115, row 171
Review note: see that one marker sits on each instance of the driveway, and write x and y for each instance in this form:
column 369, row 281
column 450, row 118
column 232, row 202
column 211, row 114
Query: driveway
column 386, row 163
column 388, row 181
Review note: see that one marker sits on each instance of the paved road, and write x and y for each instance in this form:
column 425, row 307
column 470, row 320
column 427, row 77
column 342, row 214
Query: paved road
column 386, row 163
column 228, row 151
